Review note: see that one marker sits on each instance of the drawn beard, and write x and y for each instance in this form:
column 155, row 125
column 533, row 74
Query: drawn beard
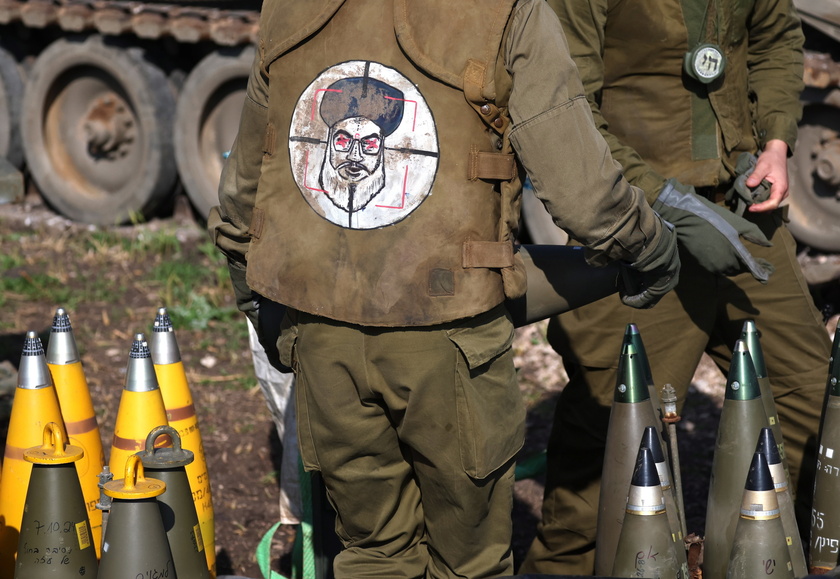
column 351, row 197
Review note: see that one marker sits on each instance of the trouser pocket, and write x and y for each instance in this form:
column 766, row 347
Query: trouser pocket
column 490, row 411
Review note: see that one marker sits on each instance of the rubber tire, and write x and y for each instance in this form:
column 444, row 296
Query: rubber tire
column 814, row 204
column 103, row 192
column 11, row 97
column 207, row 121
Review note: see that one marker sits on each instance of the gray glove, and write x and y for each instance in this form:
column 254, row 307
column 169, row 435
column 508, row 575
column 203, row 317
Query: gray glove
column 739, row 196
column 711, row 233
column 643, row 283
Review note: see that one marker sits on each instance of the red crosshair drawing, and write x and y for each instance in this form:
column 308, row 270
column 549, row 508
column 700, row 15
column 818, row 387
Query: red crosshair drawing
column 402, row 199
column 414, row 118
column 405, row 177
column 315, row 100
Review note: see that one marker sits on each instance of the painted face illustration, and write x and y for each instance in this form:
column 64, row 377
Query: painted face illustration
column 363, row 145
column 356, row 149
column 353, row 172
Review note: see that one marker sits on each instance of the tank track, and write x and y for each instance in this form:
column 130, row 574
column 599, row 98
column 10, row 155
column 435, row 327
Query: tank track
column 187, row 22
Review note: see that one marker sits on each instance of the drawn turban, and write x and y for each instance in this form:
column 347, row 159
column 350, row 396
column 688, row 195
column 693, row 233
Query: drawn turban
column 363, row 97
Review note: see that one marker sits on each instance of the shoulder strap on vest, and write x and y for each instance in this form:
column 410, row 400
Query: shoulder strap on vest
column 468, row 62
column 286, row 23
column 476, row 28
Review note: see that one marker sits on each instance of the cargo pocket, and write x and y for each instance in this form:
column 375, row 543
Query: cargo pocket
column 491, row 414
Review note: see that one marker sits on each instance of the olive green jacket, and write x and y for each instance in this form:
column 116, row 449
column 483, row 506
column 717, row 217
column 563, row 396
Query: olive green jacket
column 658, row 121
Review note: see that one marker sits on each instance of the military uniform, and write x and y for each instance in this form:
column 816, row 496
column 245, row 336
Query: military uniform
column 660, row 123
column 374, row 190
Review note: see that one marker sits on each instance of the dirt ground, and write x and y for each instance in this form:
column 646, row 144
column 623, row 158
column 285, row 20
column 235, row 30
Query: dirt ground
column 240, row 441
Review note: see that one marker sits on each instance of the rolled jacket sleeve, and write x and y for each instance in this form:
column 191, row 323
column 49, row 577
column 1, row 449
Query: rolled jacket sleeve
column 775, row 65
column 230, row 220
column 566, row 157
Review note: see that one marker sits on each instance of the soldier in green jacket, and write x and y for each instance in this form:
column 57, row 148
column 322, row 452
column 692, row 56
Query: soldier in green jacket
column 679, row 89
column 373, row 190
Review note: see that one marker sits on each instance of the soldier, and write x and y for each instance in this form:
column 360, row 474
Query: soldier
column 374, row 191
column 679, row 89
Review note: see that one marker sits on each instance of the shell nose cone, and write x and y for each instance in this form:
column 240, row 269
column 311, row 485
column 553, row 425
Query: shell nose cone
column 163, row 323
column 645, row 474
column 140, row 374
column 759, row 478
column 651, row 441
column 62, row 346
column 33, row 372
column 767, row 446
column 632, row 384
column 742, row 382
column 163, row 344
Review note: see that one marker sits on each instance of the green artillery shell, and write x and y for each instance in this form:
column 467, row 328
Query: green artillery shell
column 631, row 413
column 759, row 548
column 741, row 420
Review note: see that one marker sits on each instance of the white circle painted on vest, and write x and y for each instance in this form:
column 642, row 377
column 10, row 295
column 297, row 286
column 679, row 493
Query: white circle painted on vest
column 363, row 145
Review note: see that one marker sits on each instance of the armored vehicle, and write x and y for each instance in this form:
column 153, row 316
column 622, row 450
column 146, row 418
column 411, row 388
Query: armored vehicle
column 109, row 105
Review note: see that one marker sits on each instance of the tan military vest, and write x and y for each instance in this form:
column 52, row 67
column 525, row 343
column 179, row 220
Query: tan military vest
column 645, row 100
column 386, row 197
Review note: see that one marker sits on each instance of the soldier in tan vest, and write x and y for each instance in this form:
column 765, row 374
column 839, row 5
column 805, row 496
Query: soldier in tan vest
column 680, row 89
column 374, row 191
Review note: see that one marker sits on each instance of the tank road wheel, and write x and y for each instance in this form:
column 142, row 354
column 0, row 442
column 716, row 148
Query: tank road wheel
column 815, row 180
column 207, row 121
column 11, row 96
column 97, row 130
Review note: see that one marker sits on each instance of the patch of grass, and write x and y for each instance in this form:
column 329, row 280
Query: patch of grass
column 97, row 290
column 8, row 261
column 212, row 252
column 195, row 290
column 196, row 312
column 179, row 279
column 37, row 287
column 163, row 242
column 14, row 236
column 219, row 264
column 100, row 240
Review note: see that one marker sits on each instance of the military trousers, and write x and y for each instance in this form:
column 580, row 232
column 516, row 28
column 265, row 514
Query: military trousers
column 414, row 431
column 705, row 313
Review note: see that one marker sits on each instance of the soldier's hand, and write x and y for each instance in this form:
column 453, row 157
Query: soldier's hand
column 711, row 233
column 643, row 283
column 247, row 301
column 771, row 167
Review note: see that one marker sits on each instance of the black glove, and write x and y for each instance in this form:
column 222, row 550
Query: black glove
column 711, row 233
column 643, row 283
column 247, row 301
column 265, row 315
